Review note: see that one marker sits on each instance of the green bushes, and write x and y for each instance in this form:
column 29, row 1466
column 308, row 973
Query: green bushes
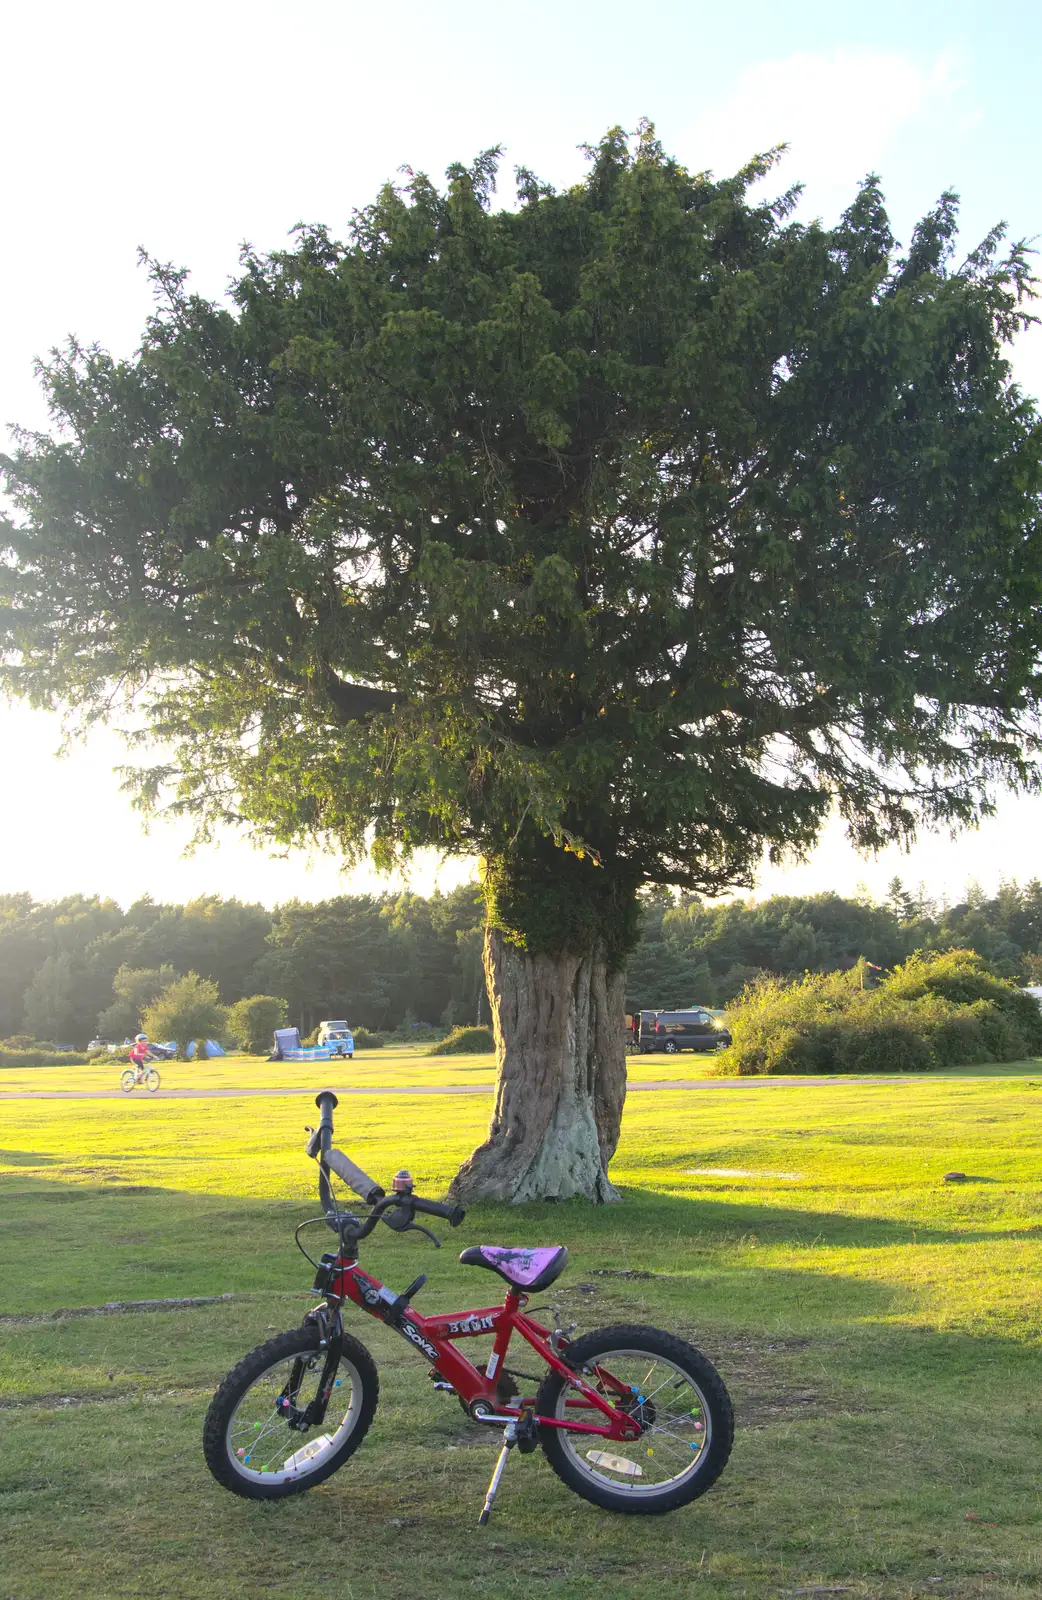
column 934, row 1011
column 42, row 1058
column 23, row 1050
column 188, row 1009
column 465, row 1042
column 410, row 1032
column 253, row 1020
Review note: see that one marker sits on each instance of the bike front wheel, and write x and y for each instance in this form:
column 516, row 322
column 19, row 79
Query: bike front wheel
column 249, row 1439
column 673, row 1392
column 127, row 1080
column 151, row 1080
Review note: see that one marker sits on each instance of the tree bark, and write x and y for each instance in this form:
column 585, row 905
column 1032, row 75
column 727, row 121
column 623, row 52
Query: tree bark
column 561, row 1077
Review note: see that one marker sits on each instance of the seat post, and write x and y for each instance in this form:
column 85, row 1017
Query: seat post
column 511, row 1305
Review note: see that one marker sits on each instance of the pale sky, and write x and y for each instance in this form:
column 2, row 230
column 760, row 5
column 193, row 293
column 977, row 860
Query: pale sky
column 190, row 128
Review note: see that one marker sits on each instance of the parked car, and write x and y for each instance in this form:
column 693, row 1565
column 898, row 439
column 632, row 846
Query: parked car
column 671, row 1031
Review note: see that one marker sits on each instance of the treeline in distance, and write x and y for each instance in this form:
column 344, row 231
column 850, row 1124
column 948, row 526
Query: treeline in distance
column 378, row 960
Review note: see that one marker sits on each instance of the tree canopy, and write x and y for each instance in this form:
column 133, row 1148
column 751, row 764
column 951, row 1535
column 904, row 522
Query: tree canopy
column 638, row 518
column 189, row 1009
column 135, row 989
column 252, row 1021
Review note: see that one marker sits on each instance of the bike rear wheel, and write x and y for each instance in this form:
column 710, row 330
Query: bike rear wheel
column 127, row 1080
column 248, row 1442
column 673, row 1391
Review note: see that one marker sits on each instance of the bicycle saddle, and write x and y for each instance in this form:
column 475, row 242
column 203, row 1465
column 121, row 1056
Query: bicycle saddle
column 523, row 1268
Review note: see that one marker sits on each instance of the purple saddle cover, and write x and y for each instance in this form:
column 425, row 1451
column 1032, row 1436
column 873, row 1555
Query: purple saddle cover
column 521, row 1266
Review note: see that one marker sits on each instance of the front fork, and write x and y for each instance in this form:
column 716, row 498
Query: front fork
column 331, row 1339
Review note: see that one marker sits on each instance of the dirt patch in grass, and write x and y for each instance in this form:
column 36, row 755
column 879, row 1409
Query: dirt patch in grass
column 632, row 1273
column 763, row 1386
column 758, row 1374
column 58, row 1402
column 115, row 1308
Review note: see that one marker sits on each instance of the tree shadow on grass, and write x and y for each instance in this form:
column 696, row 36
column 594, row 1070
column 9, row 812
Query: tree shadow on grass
column 778, row 1224
column 129, row 1242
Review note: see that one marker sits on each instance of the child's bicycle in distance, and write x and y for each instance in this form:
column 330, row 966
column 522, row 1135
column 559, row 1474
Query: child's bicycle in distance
column 631, row 1418
column 131, row 1076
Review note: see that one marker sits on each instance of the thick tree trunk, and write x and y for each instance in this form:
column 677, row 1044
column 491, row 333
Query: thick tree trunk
column 561, row 1079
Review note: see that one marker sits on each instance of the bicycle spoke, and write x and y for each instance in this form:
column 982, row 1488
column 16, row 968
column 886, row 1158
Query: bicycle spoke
column 259, row 1437
column 673, row 1439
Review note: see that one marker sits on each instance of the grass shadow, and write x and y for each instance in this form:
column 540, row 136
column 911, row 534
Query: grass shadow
column 730, row 1220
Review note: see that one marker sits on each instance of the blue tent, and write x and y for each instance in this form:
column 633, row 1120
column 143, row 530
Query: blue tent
column 212, row 1048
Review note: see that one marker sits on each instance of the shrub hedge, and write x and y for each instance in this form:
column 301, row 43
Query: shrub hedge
column 937, row 1010
column 42, row 1058
column 416, row 1033
column 465, row 1042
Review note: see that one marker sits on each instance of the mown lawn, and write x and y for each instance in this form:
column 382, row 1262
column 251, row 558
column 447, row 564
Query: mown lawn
column 396, row 1066
column 880, row 1330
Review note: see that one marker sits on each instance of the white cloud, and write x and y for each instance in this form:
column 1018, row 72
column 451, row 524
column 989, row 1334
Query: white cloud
column 841, row 112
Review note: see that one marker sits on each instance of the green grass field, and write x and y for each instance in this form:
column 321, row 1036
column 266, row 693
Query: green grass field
column 880, row 1331
column 397, row 1066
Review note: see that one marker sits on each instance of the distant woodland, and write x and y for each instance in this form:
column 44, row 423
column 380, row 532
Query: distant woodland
column 71, row 968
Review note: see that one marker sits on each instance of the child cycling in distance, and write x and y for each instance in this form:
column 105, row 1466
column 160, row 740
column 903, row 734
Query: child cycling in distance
column 140, row 1055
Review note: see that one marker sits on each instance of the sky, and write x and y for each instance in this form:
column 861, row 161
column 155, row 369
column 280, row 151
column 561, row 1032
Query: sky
column 193, row 128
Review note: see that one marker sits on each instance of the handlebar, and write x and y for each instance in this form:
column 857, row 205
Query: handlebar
column 367, row 1189
column 453, row 1215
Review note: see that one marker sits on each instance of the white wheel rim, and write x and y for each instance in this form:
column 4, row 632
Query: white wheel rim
column 258, row 1440
column 675, row 1443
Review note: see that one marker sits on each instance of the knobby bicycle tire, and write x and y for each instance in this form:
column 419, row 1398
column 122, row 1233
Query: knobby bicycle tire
column 304, row 1343
column 588, row 1470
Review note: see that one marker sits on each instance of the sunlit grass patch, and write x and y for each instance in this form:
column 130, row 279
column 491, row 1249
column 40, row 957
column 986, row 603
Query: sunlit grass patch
column 879, row 1329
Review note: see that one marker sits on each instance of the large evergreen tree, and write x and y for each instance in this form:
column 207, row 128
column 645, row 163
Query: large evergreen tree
column 613, row 537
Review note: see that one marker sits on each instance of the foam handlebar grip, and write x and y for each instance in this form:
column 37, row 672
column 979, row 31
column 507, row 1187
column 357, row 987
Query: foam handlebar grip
column 453, row 1214
column 366, row 1189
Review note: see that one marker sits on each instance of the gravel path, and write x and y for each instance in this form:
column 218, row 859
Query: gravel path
column 428, row 1088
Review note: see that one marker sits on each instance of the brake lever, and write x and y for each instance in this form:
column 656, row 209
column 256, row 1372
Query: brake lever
column 401, row 1218
column 418, row 1227
column 398, row 1218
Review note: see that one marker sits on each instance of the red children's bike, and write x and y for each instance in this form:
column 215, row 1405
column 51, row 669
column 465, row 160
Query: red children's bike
column 631, row 1418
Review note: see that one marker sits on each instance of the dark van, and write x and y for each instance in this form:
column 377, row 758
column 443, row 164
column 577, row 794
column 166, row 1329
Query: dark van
column 681, row 1030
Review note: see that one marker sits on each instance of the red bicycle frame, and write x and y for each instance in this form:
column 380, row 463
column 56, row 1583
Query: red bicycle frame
column 434, row 1337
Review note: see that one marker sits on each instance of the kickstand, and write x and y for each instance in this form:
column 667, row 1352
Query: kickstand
column 509, row 1441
